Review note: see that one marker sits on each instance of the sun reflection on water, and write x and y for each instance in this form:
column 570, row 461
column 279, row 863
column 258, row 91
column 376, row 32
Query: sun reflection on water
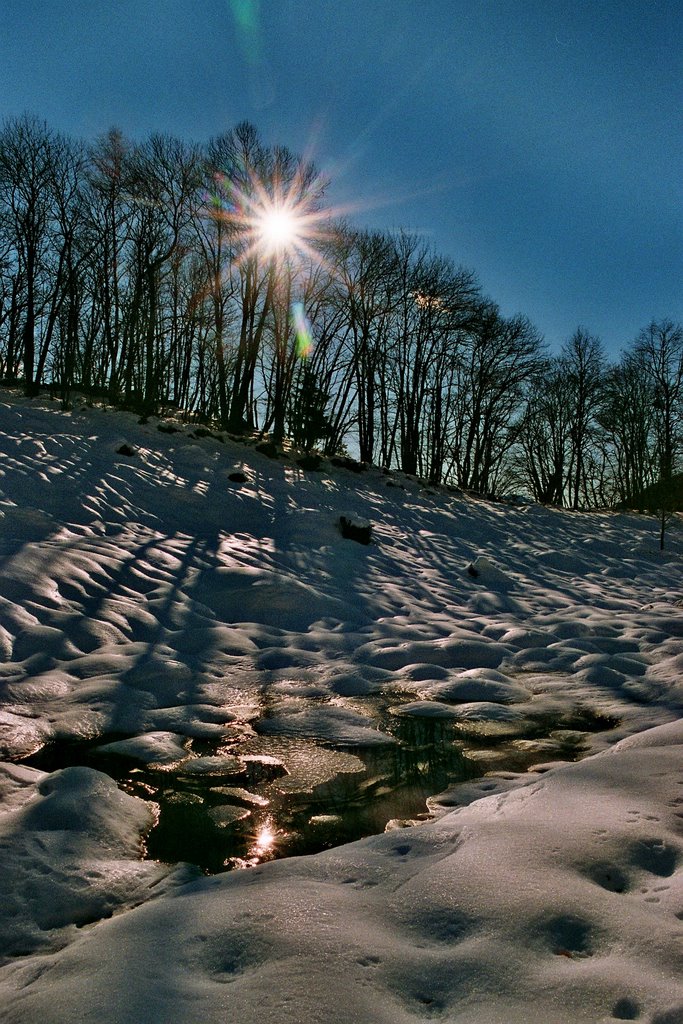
column 263, row 846
column 265, row 840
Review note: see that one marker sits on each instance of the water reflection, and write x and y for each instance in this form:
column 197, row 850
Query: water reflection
column 264, row 841
column 300, row 796
column 262, row 845
column 276, row 796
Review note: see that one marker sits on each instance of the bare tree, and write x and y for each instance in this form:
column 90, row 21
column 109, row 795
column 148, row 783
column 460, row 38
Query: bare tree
column 544, row 436
column 163, row 178
column 70, row 249
column 582, row 363
column 367, row 295
column 110, row 215
column 249, row 177
column 628, row 429
column 659, row 347
column 437, row 303
column 501, row 357
column 26, row 180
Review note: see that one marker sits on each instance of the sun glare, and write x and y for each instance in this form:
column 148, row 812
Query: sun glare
column 264, row 841
column 276, row 221
column 279, row 228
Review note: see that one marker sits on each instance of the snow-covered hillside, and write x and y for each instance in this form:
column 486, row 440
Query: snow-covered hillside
column 191, row 605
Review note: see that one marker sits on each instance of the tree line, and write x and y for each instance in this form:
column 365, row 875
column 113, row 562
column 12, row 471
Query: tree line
column 136, row 271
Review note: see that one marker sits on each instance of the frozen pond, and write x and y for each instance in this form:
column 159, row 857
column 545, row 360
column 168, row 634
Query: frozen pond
column 263, row 796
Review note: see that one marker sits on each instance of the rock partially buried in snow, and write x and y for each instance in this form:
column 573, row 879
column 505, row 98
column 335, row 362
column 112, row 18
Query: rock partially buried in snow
column 200, row 721
column 356, row 528
column 523, row 638
column 86, row 801
column 21, row 736
column 322, row 821
column 263, row 768
column 465, row 793
column 70, row 857
column 480, row 711
column 126, row 449
column 168, row 427
column 487, row 572
column 354, row 685
column 444, row 652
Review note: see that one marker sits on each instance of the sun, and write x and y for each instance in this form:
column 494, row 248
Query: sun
column 284, row 223
column 279, row 228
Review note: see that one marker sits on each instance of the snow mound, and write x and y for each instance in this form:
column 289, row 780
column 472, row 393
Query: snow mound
column 480, row 685
column 70, row 857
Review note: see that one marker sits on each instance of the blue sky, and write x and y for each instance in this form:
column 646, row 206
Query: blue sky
column 537, row 142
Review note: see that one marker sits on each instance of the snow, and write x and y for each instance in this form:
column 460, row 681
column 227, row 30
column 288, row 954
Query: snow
column 183, row 621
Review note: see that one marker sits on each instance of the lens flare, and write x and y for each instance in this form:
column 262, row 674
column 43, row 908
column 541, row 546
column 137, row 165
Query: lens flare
column 302, row 330
column 246, row 19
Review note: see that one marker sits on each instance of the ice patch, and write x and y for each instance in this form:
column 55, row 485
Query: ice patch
column 332, row 724
column 163, row 749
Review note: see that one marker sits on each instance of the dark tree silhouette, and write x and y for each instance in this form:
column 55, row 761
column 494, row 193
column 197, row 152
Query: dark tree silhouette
column 138, row 271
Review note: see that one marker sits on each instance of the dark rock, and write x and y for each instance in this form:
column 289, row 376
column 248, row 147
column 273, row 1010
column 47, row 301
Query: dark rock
column 238, row 477
column 355, row 529
column 126, row 449
column 267, row 448
column 310, row 462
column 344, row 462
column 168, row 428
